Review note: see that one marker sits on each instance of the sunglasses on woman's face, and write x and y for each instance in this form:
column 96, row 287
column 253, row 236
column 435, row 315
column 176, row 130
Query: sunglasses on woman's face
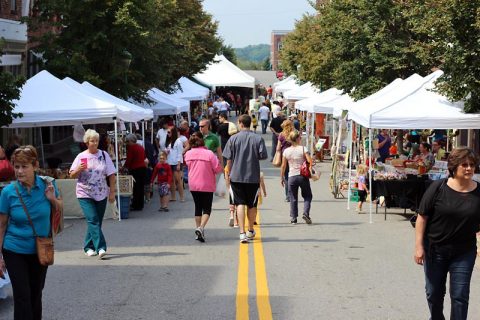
column 467, row 164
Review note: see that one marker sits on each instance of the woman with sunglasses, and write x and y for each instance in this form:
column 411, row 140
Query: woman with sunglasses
column 174, row 149
column 445, row 234
column 17, row 239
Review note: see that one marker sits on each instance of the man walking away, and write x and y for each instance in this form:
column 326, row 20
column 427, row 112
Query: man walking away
column 264, row 115
column 243, row 152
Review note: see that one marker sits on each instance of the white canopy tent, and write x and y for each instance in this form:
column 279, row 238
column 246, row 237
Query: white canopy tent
column 223, row 73
column 414, row 105
column 288, row 84
column 306, row 90
column 48, row 101
column 325, row 102
column 190, row 90
column 166, row 104
column 92, row 91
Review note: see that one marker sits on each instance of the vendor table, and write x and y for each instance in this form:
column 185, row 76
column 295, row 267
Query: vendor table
column 405, row 194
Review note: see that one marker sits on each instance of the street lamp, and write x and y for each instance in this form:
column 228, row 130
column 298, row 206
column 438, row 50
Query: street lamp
column 125, row 60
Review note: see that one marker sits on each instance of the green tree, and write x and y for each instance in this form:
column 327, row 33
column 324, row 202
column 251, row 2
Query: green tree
column 229, row 53
column 10, row 87
column 92, row 39
column 454, row 39
column 267, row 65
column 358, row 46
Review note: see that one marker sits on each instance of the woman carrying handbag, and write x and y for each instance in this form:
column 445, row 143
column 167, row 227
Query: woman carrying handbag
column 296, row 158
column 17, row 235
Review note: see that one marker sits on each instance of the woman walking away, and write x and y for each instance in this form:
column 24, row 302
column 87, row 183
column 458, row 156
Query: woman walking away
column 174, row 148
column 17, row 239
column 137, row 167
column 282, row 144
column 445, row 234
column 295, row 156
column 202, row 165
column 165, row 176
column 93, row 167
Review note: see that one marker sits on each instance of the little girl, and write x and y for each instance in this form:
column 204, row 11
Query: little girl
column 165, row 176
column 254, row 123
column 362, row 187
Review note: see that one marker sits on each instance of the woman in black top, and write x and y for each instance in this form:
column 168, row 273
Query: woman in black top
column 445, row 235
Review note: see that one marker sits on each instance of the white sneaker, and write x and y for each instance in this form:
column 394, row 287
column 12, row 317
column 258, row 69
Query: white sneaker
column 251, row 234
column 243, row 238
column 90, row 253
column 102, row 253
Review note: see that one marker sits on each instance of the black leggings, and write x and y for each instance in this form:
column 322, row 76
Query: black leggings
column 203, row 202
column 28, row 279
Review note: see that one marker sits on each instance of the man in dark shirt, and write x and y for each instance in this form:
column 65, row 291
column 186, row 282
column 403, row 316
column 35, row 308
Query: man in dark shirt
column 243, row 152
column 276, row 128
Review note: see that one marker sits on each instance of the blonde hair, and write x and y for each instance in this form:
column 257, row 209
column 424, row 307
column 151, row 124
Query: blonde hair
column 90, row 134
column 361, row 169
column 293, row 136
column 287, row 126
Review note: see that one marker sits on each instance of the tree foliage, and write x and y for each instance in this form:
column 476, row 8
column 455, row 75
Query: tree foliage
column 92, row 40
column 358, row 46
column 229, row 53
column 453, row 30
column 10, row 87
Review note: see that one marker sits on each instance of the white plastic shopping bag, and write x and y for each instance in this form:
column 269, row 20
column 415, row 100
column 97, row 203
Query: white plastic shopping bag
column 221, row 187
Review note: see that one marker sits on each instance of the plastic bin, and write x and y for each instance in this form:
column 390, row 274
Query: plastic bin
column 354, row 197
column 124, row 206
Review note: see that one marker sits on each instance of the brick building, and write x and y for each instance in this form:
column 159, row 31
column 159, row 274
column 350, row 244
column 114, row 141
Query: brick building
column 14, row 34
column 276, row 46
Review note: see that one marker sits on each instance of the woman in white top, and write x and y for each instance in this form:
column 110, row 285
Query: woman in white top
column 174, row 149
column 295, row 156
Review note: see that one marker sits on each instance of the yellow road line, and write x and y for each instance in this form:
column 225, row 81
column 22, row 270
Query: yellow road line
column 242, row 283
column 263, row 295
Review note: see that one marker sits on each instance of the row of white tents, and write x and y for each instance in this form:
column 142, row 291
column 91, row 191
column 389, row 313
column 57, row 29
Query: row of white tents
column 411, row 103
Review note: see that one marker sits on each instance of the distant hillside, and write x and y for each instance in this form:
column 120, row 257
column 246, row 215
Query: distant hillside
column 254, row 53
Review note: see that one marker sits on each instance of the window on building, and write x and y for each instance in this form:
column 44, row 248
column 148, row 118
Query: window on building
column 280, row 45
column 13, row 6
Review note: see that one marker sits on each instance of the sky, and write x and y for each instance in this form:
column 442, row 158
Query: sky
column 245, row 22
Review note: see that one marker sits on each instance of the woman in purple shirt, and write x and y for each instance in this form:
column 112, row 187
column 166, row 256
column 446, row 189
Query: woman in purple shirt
column 92, row 167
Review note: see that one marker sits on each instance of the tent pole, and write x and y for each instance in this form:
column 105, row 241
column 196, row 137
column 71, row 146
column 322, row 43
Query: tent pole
column 41, row 146
column 350, row 148
column 143, row 132
column 370, row 165
column 312, row 134
column 131, row 127
column 118, row 170
column 151, row 137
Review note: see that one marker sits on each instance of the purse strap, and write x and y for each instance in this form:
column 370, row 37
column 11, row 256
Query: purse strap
column 25, row 209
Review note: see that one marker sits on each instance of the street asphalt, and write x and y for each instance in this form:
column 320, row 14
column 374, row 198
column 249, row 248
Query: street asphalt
column 340, row 267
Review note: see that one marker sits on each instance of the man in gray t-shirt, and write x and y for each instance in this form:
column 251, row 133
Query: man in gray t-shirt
column 243, row 152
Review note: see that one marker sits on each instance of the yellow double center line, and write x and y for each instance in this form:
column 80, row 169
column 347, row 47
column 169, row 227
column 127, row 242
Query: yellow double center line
column 263, row 296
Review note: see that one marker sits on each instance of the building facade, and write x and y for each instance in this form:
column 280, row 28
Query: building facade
column 14, row 35
column 275, row 47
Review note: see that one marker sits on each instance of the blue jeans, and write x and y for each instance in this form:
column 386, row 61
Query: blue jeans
column 94, row 212
column 436, row 266
column 303, row 183
column 264, row 125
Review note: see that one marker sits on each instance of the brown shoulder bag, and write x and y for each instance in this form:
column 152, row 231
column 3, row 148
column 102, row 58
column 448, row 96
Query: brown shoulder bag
column 44, row 244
